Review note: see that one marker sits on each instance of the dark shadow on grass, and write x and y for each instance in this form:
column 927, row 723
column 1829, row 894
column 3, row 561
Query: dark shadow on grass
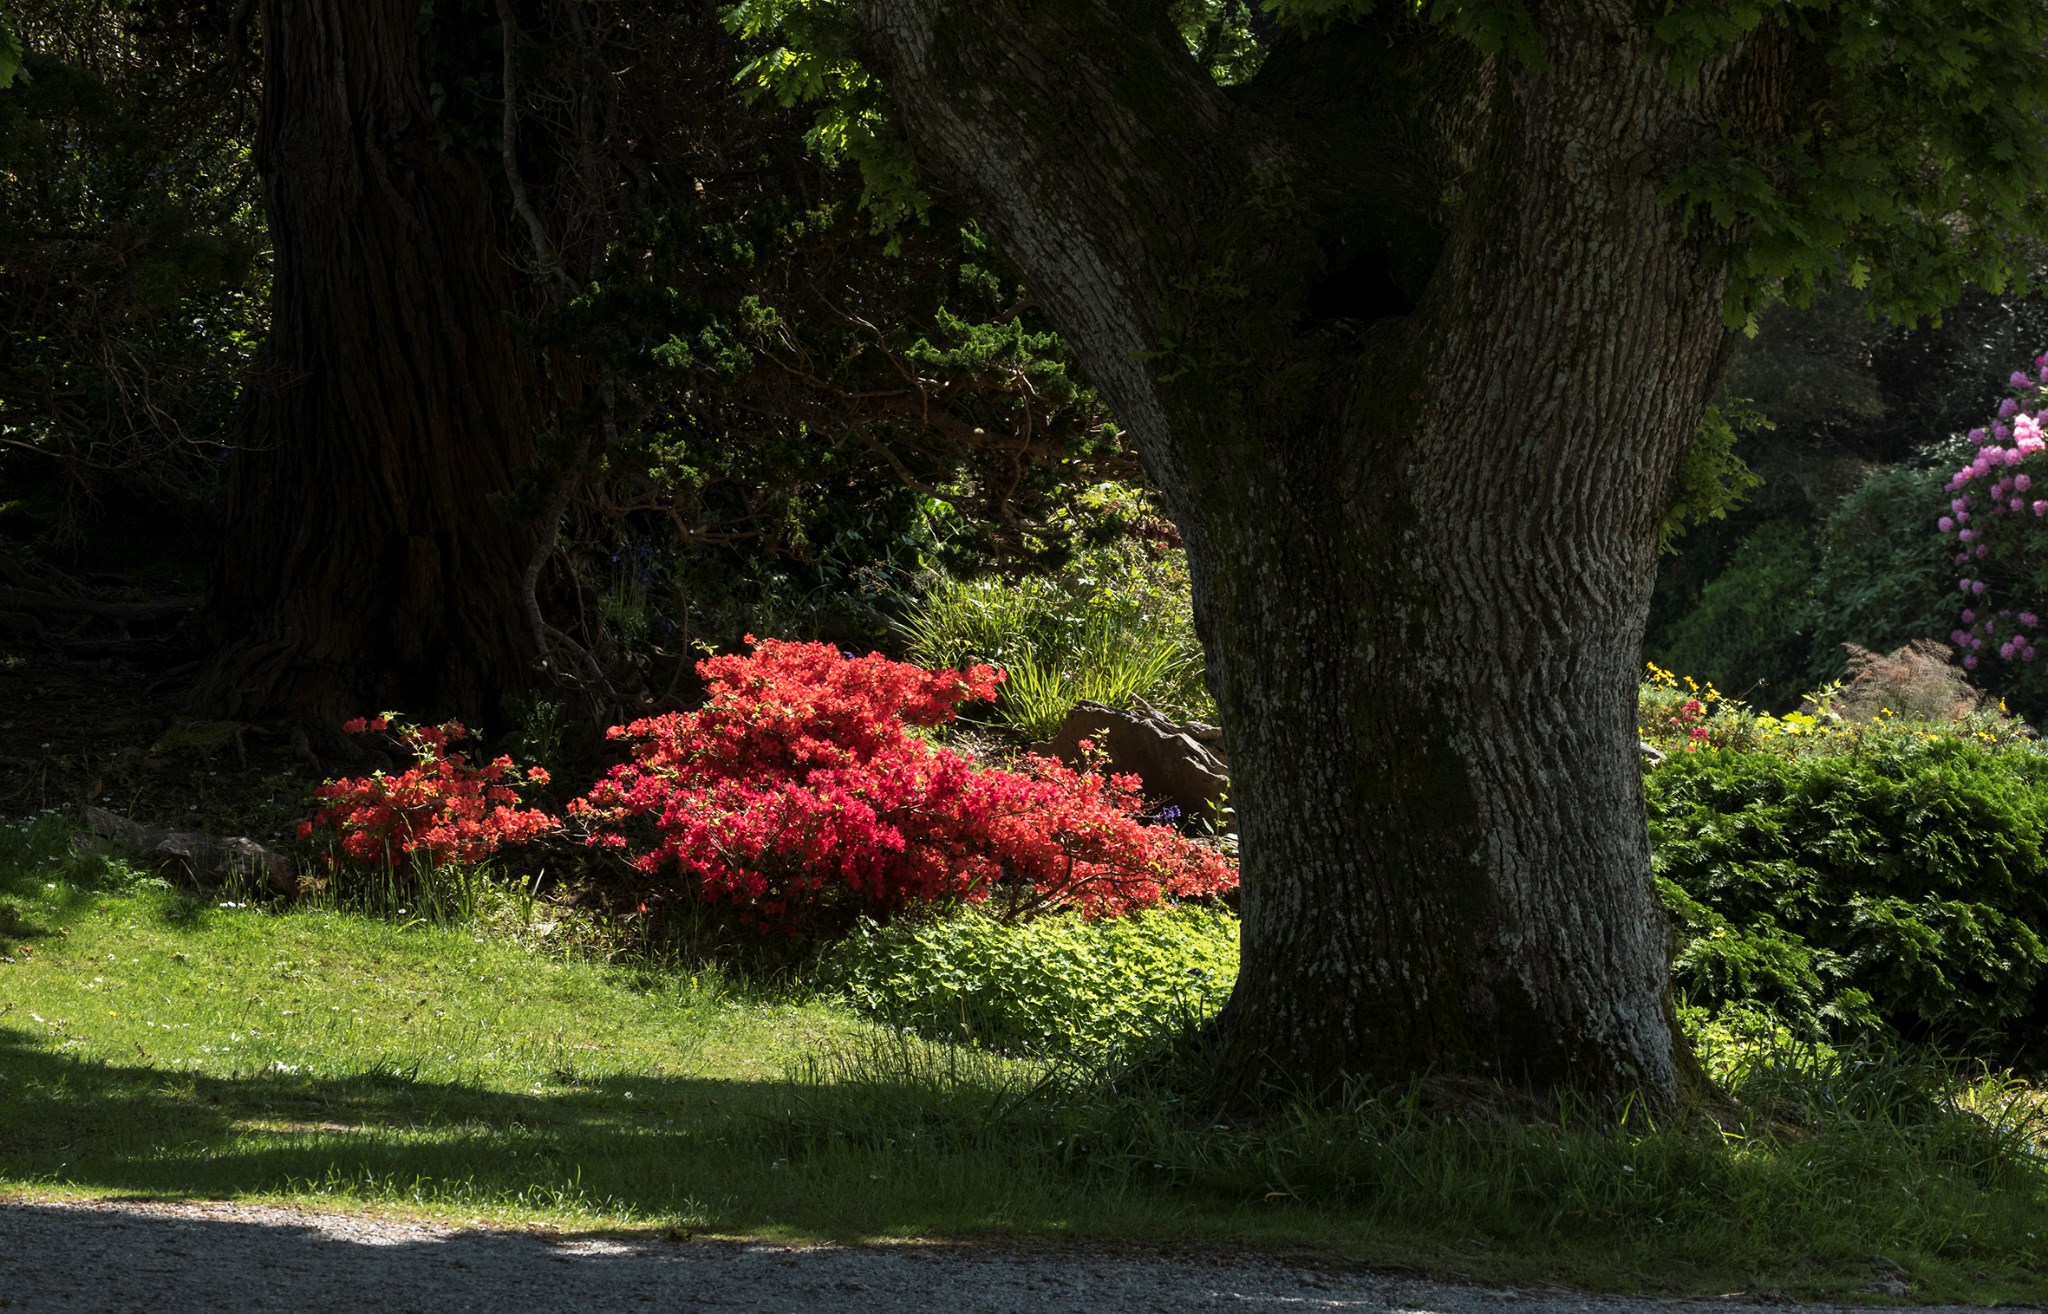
column 84, row 881
column 864, row 1152
column 698, row 1154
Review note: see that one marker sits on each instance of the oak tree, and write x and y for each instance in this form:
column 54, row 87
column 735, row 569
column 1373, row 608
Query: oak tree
column 1412, row 327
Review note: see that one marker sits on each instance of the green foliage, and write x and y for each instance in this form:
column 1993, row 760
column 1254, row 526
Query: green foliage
column 1904, row 880
column 1776, row 617
column 1883, row 578
column 130, row 253
column 10, row 50
column 818, row 417
column 1916, row 165
column 42, row 849
column 1060, row 986
column 1114, row 626
column 809, row 57
column 1712, row 480
column 1746, row 630
column 1913, row 163
column 1219, row 36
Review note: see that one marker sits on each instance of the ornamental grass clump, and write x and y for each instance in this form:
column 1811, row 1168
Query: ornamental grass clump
column 804, row 793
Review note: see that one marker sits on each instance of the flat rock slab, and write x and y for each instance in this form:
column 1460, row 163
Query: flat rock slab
column 169, row 1258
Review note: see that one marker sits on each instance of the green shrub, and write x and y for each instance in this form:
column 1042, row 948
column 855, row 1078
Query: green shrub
column 1114, row 626
column 1747, row 631
column 1885, row 577
column 1058, row 986
column 1902, row 885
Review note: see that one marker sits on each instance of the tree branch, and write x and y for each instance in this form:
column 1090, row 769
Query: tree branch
column 1095, row 146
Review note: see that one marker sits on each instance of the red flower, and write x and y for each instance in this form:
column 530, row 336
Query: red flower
column 442, row 808
column 800, row 786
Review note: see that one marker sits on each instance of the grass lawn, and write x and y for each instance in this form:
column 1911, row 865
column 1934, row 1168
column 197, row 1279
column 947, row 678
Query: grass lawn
column 154, row 1045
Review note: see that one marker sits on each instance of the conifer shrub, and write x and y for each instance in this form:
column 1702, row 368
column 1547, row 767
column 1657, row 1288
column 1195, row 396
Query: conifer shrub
column 1900, row 887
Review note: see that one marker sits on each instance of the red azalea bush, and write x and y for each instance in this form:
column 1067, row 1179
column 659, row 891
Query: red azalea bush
column 443, row 809
column 801, row 789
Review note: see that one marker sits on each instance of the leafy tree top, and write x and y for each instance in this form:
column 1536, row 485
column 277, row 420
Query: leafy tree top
column 1918, row 161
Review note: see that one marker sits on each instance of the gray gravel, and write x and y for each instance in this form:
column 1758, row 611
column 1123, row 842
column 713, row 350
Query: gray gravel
column 171, row 1258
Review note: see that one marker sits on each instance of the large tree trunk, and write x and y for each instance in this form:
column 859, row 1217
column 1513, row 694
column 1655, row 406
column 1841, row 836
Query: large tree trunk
column 365, row 564
column 1421, row 501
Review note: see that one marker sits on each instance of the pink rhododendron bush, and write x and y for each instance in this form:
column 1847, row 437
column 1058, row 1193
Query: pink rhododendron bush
column 807, row 791
column 1998, row 521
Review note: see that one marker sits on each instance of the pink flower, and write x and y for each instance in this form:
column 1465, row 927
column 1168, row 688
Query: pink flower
column 2023, row 482
column 1963, row 585
column 1968, row 617
column 2026, row 432
column 2007, row 407
column 1970, row 663
column 1946, row 524
column 2020, row 380
column 1978, row 436
column 1977, row 586
column 1983, row 549
column 2041, row 508
column 2029, row 619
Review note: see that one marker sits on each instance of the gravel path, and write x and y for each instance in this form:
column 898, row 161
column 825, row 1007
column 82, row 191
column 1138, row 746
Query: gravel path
column 168, row 1259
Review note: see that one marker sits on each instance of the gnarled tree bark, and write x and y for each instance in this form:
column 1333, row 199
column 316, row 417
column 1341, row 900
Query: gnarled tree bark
column 365, row 565
column 1411, row 342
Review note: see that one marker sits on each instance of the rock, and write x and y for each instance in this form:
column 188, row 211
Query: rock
column 1183, row 765
column 204, row 858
